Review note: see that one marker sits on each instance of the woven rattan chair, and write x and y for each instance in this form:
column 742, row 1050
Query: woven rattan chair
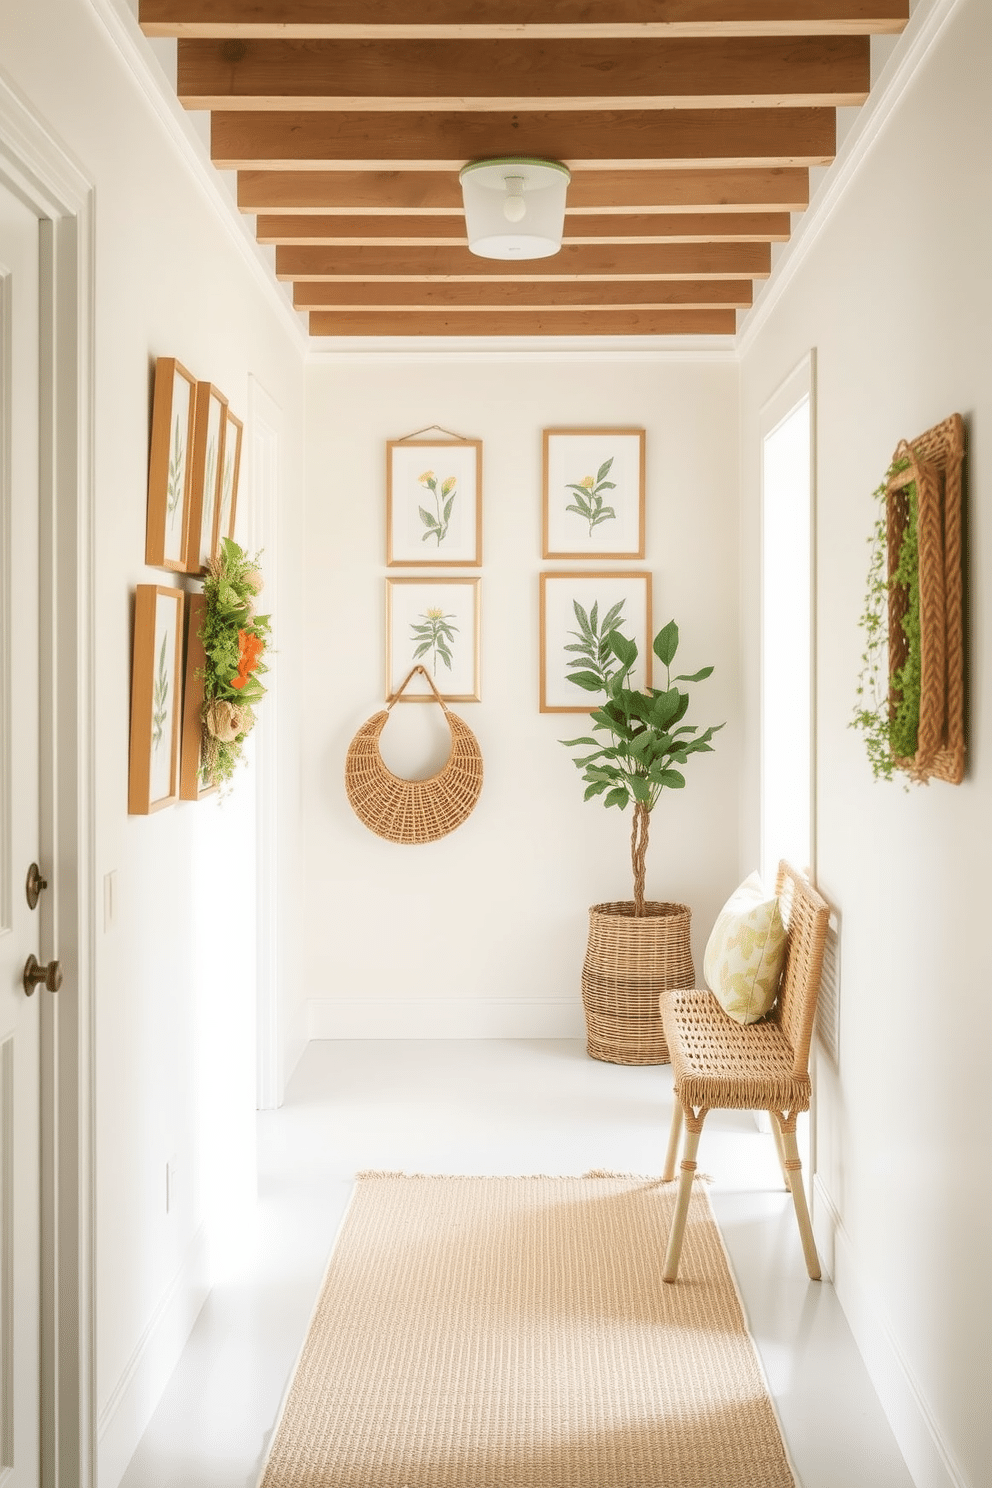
column 720, row 1064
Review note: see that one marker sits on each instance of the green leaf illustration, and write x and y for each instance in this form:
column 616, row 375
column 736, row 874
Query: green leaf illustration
column 591, row 658
column 434, row 634
column 444, row 498
column 588, row 500
column 160, row 698
column 174, row 491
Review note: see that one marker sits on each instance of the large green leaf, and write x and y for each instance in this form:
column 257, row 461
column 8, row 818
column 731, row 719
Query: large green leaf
column 624, row 650
column 666, row 643
column 618, row 797
column 588, row 681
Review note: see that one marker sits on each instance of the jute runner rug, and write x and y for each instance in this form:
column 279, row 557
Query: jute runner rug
column 516, row 1333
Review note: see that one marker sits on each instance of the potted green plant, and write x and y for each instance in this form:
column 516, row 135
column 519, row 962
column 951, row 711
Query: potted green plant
column 637, row 948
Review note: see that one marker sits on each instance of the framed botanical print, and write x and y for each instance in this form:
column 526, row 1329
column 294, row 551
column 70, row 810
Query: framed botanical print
column 434, row 503
column 593, row 493
column 156, row 686
column 227, row 504
column 191, row 787
column 433, row 622
column 209, row 429
column 169, row 465
column 578, row 613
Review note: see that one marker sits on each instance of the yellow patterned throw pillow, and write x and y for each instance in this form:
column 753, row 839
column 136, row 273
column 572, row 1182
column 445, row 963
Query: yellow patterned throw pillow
column 744, row 954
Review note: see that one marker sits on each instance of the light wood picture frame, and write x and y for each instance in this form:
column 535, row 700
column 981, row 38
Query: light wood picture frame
column 933, row 464
column 227, row 502
column 435, row 622
column 434, row 503
column 170, row 465
column 156, row 707
column 577, row 612
column 209, row 429
column 594, row 499
column 190, row 785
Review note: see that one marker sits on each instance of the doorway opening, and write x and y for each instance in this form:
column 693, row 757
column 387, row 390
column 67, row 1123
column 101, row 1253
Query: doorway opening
column 787, row 629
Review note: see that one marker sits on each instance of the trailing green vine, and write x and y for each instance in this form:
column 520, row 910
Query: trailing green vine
column 887, row 710
column 234, row 640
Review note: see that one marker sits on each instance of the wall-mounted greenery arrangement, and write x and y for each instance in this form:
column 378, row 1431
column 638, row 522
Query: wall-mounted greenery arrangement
column 234, row 640
column 910, row 698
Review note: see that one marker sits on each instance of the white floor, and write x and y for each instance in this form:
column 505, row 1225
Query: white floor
column 492, row 1106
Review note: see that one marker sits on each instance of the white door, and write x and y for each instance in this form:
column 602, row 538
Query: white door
column 21, row 928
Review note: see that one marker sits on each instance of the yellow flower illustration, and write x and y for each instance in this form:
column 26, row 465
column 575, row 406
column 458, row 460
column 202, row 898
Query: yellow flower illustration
column 588, row 482
column 434, row 612
column 436, row 522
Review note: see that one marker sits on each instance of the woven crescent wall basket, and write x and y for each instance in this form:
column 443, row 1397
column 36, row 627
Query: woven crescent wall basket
column 413, row 811
column 629, row 961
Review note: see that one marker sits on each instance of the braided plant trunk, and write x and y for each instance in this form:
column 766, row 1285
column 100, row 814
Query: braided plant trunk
column 638, row 854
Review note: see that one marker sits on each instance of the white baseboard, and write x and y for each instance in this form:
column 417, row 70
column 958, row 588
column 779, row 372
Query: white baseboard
column 125, row 1416
column 927, row 1457
column 445, row 1018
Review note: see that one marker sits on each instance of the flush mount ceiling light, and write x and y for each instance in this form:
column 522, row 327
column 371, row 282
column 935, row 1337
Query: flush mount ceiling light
column 514, row 206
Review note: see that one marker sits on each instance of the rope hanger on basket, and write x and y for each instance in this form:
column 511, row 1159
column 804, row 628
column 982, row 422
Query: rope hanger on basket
column 413, row 811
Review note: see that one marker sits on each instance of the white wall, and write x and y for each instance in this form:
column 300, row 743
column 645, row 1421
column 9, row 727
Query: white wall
column 175, row 971
column 895, row 297
column 483, row 933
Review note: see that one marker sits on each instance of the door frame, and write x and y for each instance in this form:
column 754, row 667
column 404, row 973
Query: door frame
column 798, row 386
column 265, row 428
column 37, row 167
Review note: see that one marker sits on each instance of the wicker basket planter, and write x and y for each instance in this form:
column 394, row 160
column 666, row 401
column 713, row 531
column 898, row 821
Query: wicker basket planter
column 629, row 961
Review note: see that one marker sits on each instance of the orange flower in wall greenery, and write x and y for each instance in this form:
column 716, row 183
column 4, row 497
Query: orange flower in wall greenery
column 250, row 649
column 235, row 640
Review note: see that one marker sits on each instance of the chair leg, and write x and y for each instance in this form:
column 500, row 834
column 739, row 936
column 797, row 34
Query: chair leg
column 794, row 1168
column 776, row 1132
column 673, row 1143
column 694, row 1127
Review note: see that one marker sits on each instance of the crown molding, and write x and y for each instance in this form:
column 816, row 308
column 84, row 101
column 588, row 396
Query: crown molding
column 119, row 22
column 429, row 351
column 920, row 36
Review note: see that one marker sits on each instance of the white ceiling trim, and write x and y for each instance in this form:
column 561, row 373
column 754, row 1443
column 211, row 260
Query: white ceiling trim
column 926, row 22
column 121, row 26
column 427, row 350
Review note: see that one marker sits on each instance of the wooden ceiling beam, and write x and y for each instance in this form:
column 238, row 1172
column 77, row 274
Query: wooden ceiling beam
column 668, row 261
column 411, row 76
column 610, row 140
column 428, row 192
column 413, row 232
column 651, row 294
column 637, row 322
column 538, row 18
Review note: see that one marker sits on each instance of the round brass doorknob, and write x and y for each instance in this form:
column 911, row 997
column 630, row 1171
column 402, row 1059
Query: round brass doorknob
column 36, row 975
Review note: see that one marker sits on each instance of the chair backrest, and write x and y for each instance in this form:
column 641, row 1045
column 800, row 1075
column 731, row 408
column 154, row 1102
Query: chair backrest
column 806, row 917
